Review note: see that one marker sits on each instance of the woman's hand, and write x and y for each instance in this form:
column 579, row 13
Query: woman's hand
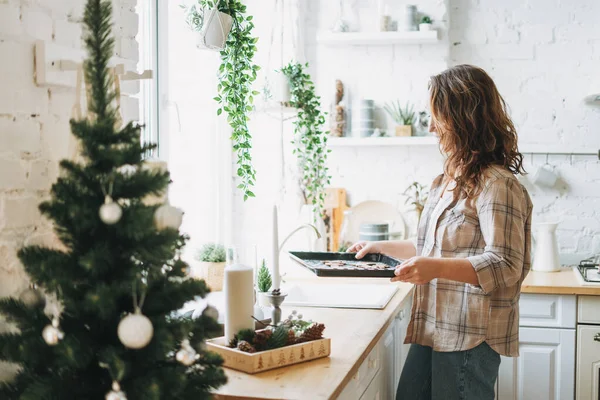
column 418, row 270
column 363, row 248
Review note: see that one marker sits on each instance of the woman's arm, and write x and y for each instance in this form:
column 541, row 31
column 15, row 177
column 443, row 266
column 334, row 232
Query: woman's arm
column 402, row 249
column 420, row 270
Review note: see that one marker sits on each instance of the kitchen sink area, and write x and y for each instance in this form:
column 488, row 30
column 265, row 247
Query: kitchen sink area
column 373, row 296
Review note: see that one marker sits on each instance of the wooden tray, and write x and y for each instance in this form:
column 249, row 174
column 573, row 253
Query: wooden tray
column 314, row 261
column 253, row 363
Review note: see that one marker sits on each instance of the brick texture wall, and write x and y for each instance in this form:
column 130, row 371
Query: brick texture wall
column 34, row 121
column 544, row 57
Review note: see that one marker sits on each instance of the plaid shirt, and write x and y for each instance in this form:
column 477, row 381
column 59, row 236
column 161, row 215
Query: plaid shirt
column 492, row 231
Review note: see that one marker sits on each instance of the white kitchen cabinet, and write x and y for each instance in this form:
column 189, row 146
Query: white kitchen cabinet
column 376, row 389
column 588, row 362
column 545, row 368
column 378, row 375
column 388, row 355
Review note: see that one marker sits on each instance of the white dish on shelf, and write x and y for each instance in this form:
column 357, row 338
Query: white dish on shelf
column 376, row 211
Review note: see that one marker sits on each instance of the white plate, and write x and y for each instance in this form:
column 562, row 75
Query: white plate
column 376, row 211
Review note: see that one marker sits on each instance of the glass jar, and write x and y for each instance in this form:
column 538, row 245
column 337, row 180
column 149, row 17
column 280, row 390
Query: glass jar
column 344, row 241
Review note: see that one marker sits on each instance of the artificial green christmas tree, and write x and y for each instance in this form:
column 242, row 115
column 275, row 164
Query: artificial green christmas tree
column 119, row 278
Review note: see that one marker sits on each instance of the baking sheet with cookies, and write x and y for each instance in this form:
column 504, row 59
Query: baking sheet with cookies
column 346, row 265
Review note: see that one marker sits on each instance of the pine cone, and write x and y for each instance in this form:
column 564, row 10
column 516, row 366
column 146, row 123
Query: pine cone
column 291, row 337
column 261, row 338
column 339, row 91
column 313, row 332
column 245, row 346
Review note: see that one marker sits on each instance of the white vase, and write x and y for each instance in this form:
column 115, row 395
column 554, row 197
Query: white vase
column 424, row 27
column 281, row 88
column 262, row 299
column 546, row 257
column 215, row 30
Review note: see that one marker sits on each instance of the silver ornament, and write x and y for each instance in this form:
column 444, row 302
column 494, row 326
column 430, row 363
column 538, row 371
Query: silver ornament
column 186, row 355
column 168, row 217
column 52, row 333
column 211, row 312
column 110, row 212
column 127, row 170
column 135, row 331
column 116, row 393
column 33, row 298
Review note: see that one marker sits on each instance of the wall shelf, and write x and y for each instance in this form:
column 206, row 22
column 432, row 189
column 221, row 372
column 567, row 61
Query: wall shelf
column 377, row 38
column 382, row 141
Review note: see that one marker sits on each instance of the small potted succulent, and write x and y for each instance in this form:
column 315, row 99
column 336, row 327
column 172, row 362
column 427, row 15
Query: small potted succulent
column 213, row 26
column 211, row 265
column 263, row 285
column 425, row 24
column 404, row 117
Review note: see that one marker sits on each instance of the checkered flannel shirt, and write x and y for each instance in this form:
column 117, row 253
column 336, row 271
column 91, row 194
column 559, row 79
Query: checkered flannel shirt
column 493, row 232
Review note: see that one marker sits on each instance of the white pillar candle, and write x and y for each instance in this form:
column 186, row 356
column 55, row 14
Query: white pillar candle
column 276, row 275
column 239, row 299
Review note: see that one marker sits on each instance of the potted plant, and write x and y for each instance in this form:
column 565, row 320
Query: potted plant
column 404, row 117
column 211, row 266
column 236, row 75
column 263, row 285
column 425, row 24
column 310, row 136
column 213, row 26
column 416, row 195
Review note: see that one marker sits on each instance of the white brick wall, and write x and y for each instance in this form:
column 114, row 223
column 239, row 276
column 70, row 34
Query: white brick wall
column 34, row 121
column 544, row 57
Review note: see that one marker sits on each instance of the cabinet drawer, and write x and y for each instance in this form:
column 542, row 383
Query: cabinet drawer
column 361, row 380
column 589, row 309
column 547, row 310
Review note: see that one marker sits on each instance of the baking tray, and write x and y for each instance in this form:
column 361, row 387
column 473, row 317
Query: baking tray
column 351, row 267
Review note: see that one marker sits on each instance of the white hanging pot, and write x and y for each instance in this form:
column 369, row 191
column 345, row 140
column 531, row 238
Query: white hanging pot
column 281, row 88
column 215, row 30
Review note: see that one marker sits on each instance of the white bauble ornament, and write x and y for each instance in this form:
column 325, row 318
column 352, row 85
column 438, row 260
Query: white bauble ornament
column 135, row 331
column 127, row 170
column 168, row 217
column 33, row 298
column 116, row 393
column 211, row 312
column 110, row 212
column 52, row 333
column 186, row 355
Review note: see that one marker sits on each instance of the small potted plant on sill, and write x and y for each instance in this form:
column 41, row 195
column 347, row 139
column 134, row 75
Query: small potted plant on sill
column 211, row 266
column 213, row 26
column 263, row 285
column 425, row 24
column 404, row 117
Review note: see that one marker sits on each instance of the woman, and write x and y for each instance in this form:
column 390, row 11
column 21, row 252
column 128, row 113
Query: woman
column 473, row 246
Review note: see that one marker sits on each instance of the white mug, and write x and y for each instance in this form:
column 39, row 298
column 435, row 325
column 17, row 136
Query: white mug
column 545, row 177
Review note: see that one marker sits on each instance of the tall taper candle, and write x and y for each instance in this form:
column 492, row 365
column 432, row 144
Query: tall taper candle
column 275, row 270
column 238, row 286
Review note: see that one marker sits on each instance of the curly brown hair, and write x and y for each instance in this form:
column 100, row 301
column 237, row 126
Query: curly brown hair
column 472, row 122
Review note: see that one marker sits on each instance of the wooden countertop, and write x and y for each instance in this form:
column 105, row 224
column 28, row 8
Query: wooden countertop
column 562, row 282
column 353, row 333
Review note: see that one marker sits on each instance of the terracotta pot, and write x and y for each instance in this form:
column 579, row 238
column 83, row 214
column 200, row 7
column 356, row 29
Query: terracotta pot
column 404, row 130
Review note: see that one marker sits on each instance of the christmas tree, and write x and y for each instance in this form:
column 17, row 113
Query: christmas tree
column 118, row 278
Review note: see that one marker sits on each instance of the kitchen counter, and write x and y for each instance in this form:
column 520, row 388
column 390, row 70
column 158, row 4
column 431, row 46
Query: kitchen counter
column 353, row 333
column 561, row 282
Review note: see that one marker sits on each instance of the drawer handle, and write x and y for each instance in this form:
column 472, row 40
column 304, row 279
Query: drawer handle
column 597, row 337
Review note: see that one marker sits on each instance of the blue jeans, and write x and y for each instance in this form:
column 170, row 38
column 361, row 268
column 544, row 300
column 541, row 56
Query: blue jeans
column 464, row 375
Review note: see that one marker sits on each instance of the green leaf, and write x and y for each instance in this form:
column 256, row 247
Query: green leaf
column 219, row 111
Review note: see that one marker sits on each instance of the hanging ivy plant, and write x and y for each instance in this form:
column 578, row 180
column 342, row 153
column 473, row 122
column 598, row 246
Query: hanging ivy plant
column 310, row 137
column 236, row 75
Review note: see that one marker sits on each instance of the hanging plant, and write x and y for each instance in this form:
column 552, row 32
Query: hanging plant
column 310, row 137
column 236, row 75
